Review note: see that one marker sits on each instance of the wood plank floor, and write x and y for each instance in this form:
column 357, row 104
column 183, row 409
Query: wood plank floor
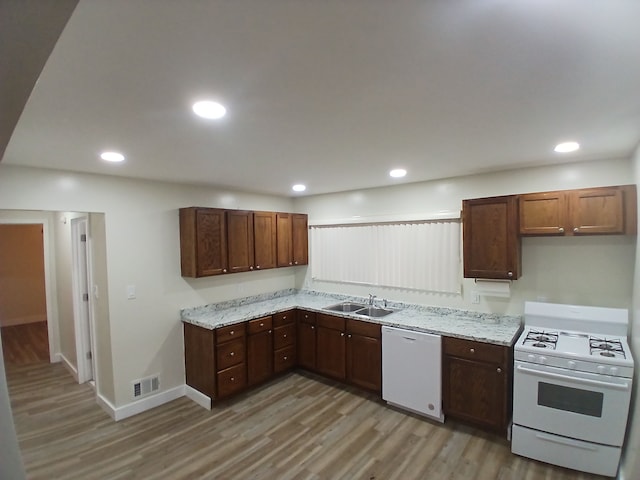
column 25, row 344
column 296, row 427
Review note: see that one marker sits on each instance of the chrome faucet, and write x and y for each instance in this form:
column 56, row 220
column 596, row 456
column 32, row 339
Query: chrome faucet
column 371, row 299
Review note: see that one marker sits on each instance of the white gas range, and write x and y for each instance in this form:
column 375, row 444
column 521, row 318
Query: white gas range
column 572, row 386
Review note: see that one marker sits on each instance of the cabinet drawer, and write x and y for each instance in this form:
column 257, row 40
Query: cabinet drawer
column 329, row 321
column 224, row 334
column 366, row 329
column 260, row 324
column 307, row 317
column 230, row 353
column 284, row 336
column 471, row 350
column 232, row 380
column 284, row 318
column 284, row 359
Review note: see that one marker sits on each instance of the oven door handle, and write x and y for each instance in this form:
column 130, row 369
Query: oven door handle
column 584, row 381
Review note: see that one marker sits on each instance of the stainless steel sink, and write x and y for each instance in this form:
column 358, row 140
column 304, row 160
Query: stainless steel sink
column 345, row 307
column 375, row 312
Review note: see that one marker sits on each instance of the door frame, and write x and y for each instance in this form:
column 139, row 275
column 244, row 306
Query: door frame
column 49, row 281
column 84, row 331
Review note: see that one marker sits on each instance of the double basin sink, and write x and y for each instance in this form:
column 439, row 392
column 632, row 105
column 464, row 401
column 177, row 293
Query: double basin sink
column 360, row 309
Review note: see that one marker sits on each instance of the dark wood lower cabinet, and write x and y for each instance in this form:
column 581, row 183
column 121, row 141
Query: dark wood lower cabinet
column 364, row 355
column 259, row 351
column 476, row 383
column 307, row 340
column 331, row 352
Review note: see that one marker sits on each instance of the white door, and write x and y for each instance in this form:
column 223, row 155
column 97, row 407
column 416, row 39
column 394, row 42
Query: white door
column 81, row 307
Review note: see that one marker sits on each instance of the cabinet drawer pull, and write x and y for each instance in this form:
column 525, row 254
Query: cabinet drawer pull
column 284, row 358
column 576, row 230
column 224, row 270
column 269, row 331
column 349, row 335
column 231, row 332
column 561, row 230
column 312, row 327
column 232, row 354
column 342, row 334
column 284, row 335
column 284, row 317
column 251, row 267
column 499, row 370
column 261, row 324
column 233, row 379
column 509, row 274
column 258, row 267
column 472, row 350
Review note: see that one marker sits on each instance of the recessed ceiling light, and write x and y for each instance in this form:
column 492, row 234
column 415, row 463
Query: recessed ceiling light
column 398, row 172
column 567, row 147
column 112, row 156
column 209, row 109
column 299, row 188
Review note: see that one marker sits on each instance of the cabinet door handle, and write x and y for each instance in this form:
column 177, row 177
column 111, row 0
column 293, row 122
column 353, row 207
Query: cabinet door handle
column 284, row 358
column 342, row 334
column 258, row 267
column 284, row 317
column 233, row 379
column 499, row 370
column 312, row 327
column 224, row 270
column 576, row 230
column 349, row 335
column 231, row 332
column 269, row 331
column 232, row 354
column 295, row 263
column 509, row 274
column 290, row 263
column 284, row 335
column 251, row 267
column 561, row 230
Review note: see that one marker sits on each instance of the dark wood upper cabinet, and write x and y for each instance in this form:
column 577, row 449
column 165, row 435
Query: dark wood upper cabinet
column 216, row 241
column 596, row 210
column 300, row 236
column 543, row 213
column 284, row 240
column 604, row 210
column 203, row 242
column 264, row 241
column 240, row 240
column 491, row 245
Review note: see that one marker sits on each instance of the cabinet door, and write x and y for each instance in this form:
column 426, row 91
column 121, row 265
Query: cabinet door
column 364, row 362
column 232, row 380
column 203, row 242
column 264, row 238
column 543, row 213
column 475, row 391
column 284, row 240
column 300, row 238
column 240, row 240
column 331, row 352
column 259, row 357
column 306, row 344
column 597, row 210
column 491, row 244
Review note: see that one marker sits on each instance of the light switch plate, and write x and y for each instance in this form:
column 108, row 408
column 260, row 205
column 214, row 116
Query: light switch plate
column 131, row 292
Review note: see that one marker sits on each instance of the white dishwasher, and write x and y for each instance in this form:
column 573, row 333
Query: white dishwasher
column 411, row 371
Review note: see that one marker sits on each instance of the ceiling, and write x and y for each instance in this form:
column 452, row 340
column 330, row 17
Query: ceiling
column 333, row 93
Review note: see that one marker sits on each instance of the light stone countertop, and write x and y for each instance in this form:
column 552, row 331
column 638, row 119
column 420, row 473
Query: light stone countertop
column 482, row 327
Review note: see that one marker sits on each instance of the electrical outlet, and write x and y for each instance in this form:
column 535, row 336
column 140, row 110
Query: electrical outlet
column 475, row 297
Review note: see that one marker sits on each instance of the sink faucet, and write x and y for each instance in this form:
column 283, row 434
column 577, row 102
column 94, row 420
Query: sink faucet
column 371, row 299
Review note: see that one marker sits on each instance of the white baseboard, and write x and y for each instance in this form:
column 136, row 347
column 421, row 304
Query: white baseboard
column 198, row 397
column 68, row 365
column 139, row 406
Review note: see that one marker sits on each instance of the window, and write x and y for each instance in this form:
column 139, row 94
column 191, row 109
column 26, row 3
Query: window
column 420, row 255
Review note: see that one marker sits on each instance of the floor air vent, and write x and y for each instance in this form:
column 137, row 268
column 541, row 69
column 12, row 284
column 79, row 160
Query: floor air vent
column 145, row 386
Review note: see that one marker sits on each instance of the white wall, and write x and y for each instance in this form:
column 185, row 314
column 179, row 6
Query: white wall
column 586, row 270
column 630, row 468
column 142, row 249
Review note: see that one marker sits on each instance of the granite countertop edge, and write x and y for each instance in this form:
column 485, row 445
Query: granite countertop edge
column 468, row 325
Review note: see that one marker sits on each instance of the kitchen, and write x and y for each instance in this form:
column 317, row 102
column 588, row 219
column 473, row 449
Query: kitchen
column 552, row 268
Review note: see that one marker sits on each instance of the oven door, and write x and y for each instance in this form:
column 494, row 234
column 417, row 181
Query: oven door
column 579, row 405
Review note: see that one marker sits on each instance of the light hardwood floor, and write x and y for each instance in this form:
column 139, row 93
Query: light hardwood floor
column 296, row 427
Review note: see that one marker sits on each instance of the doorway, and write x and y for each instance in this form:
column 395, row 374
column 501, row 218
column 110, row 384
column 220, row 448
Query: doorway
column 23, row 303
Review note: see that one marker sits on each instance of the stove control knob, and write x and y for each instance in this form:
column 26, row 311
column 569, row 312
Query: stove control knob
column 571, row 364
column 542, row 359
column 531, row 358
column 601, row 369
column 613, row 371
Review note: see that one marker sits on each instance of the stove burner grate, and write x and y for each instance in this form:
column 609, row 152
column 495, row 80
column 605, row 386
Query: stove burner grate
column 606, row 347
column 541, row 339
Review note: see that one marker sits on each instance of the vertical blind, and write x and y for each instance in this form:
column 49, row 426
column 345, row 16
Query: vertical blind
column 413, row 255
